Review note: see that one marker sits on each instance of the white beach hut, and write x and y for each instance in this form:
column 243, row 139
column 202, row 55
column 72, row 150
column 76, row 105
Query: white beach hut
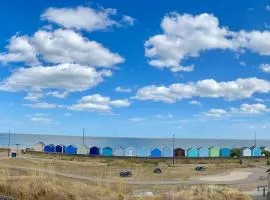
column 130, row 151
column 39, row 146
column 83, row 150
column 119, row 151
column 246, row 152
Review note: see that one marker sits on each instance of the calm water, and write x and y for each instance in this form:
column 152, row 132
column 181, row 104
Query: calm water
column 28, row 140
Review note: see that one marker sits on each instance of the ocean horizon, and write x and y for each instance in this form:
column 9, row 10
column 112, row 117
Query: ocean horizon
column 29, row 140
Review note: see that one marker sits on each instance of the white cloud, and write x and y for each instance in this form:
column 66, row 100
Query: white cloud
column 208, row 88
column 40, row 118
column 67, row 46
column 265, row 68
column 33, row 96
column 124, row 90
column 85, row 18
column 194, row 102
column 57, row 94
column 20, row 50
column 250, row 109
column 67, row 114
column 98, row 103
column 267, row 7
column 59, row 46
column 245, row 109
column 136, row 119
column 42, row 105
column 187, row 36
column 61, row 78
column 216, row 113
column 169, row 116
column 243, row 63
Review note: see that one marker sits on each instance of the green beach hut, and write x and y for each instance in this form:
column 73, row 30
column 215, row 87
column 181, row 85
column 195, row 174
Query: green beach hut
column 214, row 152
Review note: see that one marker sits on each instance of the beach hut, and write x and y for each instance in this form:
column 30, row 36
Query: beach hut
column 225, row 152
column 94, row 151
column 119, row 151
column 192, row 153
column 39, row 146
column 203, row 152
column 179, row 152
column 156, row 152
column 214, row 152
column 60, row 148
column 49, row 148
column 71, row 150
column 107, row 151
column 256, row 151
column 130, row 151
column 143, row 152
column 167, row 152
column 83, row 150
column 245, row 152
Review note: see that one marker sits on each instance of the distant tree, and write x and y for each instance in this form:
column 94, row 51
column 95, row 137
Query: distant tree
column 267, row 155
column 236, row 153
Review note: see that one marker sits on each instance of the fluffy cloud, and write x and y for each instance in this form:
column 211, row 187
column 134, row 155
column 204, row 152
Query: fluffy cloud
column 194, row 102
column 187, row 36
column 85, row 18
column 61, row 78
column 265, row 68
column 42, row 105
column 40, row 118
column 216, row 113
column 20, row 50
column 245, row 109
column 136, row 119
column 208, row 88
column 98, row 103
column 124, row 90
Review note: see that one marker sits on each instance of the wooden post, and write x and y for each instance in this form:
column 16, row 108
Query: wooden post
column 268, row 192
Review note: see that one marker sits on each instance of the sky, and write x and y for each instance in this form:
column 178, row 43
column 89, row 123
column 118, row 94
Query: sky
column 136, row 68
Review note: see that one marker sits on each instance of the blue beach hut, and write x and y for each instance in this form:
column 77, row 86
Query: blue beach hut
column 192, row 153
column 49, row 148
column 167, row 152
column 143, row 152
column 256, row 151
column 225, row 152
column 107, row 151
column 60, row 148
column 156, row 152
column 94, row 151
column 203, row 152
column 71, row 150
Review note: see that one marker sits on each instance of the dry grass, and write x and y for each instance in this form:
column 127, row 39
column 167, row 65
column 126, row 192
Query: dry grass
column 38, row 186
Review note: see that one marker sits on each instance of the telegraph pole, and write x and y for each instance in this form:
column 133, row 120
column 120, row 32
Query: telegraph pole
column 8, row 140
column 173, row 151
column 255, row 139
column 83, row 135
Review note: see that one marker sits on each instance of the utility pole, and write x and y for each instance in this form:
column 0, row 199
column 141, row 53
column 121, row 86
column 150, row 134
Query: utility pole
column 255, row 139
column 8, row 140
column 83, row 135
column 268, row 192
column 173, row 151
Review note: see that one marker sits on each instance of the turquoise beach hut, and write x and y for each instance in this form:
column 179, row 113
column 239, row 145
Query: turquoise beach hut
column 167, row 152
column 203, row 152
column 192, row 153
column 71, row 150
column 225, row 152
column 256, row 151
column 143, row 152
column 49, row 148
column 156, row 152
column 119, row 151
column 107, row 151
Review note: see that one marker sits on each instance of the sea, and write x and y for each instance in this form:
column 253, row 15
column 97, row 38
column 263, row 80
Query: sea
column 29, row 140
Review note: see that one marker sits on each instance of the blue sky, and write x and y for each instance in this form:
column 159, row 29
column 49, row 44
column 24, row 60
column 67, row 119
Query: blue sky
column 136, row 69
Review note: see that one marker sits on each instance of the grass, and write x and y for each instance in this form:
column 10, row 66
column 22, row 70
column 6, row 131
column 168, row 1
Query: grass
column 38, row 186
